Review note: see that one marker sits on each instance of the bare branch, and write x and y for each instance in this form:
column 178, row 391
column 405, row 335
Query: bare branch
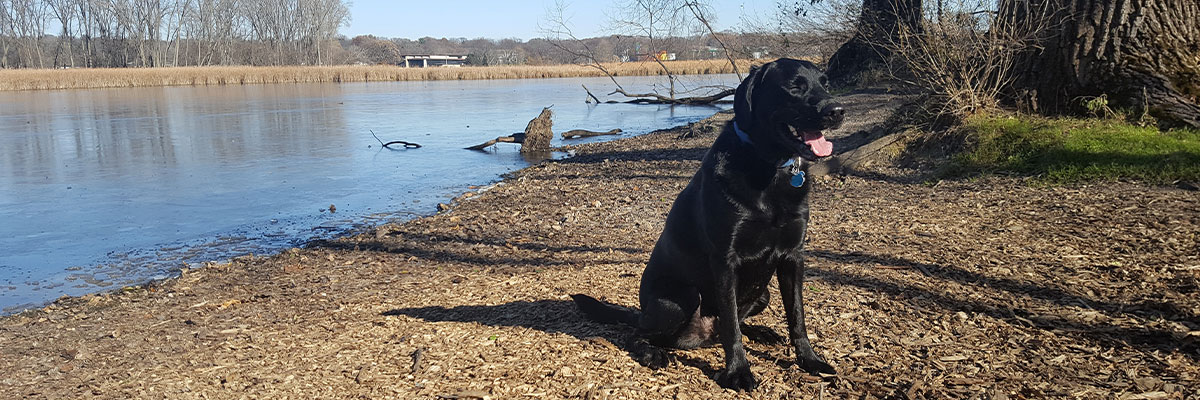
column 698, row 10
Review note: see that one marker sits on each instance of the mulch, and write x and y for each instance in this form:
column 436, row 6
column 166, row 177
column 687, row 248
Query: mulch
column 985, row 288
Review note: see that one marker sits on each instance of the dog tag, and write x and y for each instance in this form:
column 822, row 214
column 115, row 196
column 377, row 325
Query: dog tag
column 798, row 179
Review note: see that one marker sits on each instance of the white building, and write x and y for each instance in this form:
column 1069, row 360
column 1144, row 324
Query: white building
column 432, row 60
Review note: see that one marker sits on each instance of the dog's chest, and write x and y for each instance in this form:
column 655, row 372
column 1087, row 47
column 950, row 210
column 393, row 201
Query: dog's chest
column 768, row 236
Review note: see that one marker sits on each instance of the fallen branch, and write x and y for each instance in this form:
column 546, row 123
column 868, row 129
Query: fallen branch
column 589, row 93
column 582, row 133
column 518, row 137
column 655, row 98
column 407, row 145
column 388, row 145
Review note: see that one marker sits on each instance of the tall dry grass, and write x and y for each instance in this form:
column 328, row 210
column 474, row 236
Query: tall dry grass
column 40, row 79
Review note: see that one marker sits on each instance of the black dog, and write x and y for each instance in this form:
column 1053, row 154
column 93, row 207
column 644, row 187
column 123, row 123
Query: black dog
column 740, row 220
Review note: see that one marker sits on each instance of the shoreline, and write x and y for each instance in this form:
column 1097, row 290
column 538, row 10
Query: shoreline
column 472, row 302
column 101, row 78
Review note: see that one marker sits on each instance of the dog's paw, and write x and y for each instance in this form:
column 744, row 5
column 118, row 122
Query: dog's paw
column 655, row 358
column 649, row 355
column 762, row 334
column 815, row 365
column 740, row 379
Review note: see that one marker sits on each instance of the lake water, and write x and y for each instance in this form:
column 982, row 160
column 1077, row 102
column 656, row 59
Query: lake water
column 111, row 187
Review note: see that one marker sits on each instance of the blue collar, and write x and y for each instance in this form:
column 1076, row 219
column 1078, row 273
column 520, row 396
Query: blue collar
column 741, row 134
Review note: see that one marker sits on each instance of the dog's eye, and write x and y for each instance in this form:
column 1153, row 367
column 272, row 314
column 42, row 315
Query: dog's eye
column 824, row 80
column 801, row 84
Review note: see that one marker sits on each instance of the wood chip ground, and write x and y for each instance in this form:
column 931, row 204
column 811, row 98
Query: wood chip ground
column 987, row 288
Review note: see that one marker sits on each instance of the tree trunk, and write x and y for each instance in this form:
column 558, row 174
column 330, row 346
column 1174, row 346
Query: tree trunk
column 1141, row 54
column 538, row 132
column 865, row 55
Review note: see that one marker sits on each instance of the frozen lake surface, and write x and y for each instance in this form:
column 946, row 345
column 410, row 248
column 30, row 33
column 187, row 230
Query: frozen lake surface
column 111, row 187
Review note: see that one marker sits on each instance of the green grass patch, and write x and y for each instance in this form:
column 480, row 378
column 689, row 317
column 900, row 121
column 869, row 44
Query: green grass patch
column 1067, row 150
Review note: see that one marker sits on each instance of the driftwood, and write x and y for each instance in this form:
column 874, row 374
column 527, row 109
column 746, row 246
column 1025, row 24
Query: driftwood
column 582, row 133
column 518, row 137
column 536, row 138
column 407, row 145
column 655, row 98
column 388, row 145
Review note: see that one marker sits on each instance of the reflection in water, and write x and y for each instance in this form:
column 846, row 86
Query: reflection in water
column 119, row 133
column 116, row 186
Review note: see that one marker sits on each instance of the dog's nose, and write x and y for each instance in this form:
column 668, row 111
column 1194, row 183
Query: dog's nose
column 832, row 115
column 834, row 110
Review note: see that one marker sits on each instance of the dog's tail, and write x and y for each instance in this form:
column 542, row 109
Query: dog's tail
column 599, row 311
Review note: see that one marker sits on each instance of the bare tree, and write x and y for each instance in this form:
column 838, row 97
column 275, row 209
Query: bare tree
column 656, row 23
column 653, row 20
column 560, row 35
column 966, row 54
column 64, row 11
column 26, row 20
column 6, row 31
column 1141, row 54
column 702, row 13
column 865, row 55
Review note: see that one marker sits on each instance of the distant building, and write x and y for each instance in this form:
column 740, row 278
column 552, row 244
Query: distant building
column 661, row 55
column 433, row 60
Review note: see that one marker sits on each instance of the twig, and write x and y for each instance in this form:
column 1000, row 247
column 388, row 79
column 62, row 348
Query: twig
column 417, row 355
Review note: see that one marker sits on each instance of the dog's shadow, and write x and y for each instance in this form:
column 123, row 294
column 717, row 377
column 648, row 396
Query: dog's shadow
column 551, row 316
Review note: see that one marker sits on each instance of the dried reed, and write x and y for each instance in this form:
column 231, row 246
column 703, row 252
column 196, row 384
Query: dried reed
column 40, row 79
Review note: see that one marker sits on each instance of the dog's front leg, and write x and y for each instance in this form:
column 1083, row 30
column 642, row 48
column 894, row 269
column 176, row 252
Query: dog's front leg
column 736, row 375
column 791, row 288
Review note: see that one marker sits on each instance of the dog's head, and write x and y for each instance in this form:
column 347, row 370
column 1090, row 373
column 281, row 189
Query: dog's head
column 783, row 106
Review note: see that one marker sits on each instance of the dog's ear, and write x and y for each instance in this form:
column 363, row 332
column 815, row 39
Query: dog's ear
column 753, row 69
column 743, row 101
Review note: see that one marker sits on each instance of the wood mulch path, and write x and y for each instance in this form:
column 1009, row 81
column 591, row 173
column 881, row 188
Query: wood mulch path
column 986, row 288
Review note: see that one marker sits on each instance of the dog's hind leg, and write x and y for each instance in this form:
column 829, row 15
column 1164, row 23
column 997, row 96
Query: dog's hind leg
column 668, row 311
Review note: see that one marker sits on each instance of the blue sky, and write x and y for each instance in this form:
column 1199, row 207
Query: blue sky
column 498, row 19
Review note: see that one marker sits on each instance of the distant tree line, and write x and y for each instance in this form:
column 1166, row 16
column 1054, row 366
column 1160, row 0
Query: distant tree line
column 154, row 33
column 614, row 48
column 158, row 33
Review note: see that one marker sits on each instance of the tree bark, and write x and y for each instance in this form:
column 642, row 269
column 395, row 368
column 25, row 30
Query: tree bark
column 537, row 133
column 866, row 54
column 1141, row 54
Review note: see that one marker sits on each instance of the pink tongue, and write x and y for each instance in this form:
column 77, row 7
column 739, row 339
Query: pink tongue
column 816, row 141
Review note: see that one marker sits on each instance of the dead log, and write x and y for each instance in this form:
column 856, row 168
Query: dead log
column 582, row 133
column 536, row 138
column 655, row 98
column 537, row 133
